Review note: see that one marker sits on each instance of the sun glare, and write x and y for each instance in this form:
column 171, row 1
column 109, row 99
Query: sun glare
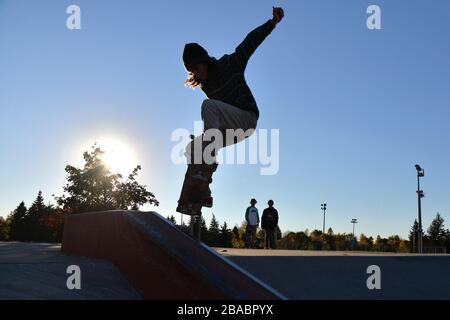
column 118, row 156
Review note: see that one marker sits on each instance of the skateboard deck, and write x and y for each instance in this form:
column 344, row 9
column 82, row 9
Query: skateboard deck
column 193, row 194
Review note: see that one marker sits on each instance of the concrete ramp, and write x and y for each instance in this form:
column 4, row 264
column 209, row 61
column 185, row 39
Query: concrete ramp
column 159, row 259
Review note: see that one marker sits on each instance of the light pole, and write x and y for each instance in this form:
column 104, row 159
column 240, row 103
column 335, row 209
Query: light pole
column 420, row 195
column 354, row 221
column 323, row 206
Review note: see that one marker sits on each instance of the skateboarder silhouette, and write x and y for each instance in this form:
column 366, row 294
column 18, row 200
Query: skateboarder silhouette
column 230, row 106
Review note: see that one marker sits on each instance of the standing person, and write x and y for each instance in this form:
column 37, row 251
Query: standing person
column 252, row 218
column 230, row 104
column 269, row 222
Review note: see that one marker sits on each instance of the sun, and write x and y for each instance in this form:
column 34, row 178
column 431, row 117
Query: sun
column 118, row 156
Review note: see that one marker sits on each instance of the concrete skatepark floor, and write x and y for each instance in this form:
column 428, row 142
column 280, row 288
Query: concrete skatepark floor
column 38, row 271
column 343, row 275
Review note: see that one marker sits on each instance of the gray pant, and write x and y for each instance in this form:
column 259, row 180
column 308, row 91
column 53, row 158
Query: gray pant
column 250, row 235
column 220, row 116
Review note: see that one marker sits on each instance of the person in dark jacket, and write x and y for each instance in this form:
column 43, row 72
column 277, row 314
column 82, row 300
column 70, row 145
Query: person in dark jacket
column 230, row 104
column 269, row 222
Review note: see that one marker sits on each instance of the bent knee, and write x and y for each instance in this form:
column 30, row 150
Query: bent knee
column 188, row 149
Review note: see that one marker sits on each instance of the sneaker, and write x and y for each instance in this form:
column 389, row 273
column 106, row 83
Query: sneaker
column 182, row 208
column 207, row 202
column 188, row 209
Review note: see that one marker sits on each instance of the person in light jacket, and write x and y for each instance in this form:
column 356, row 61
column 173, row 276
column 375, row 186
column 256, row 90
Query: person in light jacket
column 252, row 219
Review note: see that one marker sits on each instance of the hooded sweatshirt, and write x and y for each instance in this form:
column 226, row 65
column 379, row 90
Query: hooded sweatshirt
column 252, row 216
column 229, row 84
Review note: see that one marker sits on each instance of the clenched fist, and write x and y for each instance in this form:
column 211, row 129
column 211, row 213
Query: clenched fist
column 278, row 15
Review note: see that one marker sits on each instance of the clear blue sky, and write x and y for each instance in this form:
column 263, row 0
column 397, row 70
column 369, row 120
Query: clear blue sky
column 356, row 109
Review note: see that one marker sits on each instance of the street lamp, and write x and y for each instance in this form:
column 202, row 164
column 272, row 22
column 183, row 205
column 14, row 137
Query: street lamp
column 354, row 221
column 420, row 195
column 323, row 206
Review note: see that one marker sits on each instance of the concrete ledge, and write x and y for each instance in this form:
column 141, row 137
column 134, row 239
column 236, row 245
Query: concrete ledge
column 158, row 259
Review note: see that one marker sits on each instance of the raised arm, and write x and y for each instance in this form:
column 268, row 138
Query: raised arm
column 252, row 41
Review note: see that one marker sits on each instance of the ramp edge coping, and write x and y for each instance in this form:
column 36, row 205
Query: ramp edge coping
column 222, row 258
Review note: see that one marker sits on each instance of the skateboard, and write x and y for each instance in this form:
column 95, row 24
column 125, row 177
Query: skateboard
column 194, row 194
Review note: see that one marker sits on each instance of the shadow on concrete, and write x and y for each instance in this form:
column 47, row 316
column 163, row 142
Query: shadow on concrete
column 38, row 271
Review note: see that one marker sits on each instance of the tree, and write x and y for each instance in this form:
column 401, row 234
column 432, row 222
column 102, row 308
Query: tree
column 53, row 222
column 351, row 241
column 18, row 225
column 404, row 246
column 329, row 240
column 32, row 224
column 381, row 244
column 37, row 212
column 4, row 229
column 195, row 221
column 341, row 241
column 236, row 239
column 317, row 239
column 447, row 243
column 437, row 233
column 236, row 233
column 370, row 242
column 95, row 188
column 394, row 243
column 239, row 235
column 225, row 236
column 365, row 243
column 260, row 240
column 183, row 227
column 294, row 241
column 278, row 233
column 414, row 236
column 213, row 233
column 203, row 228
column 288, row 241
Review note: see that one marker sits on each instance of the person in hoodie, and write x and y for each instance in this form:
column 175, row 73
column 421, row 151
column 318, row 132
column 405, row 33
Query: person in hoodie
column 269, row 222
column 230, row 104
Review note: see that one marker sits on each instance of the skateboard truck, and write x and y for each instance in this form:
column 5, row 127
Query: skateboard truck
column 196, row 220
